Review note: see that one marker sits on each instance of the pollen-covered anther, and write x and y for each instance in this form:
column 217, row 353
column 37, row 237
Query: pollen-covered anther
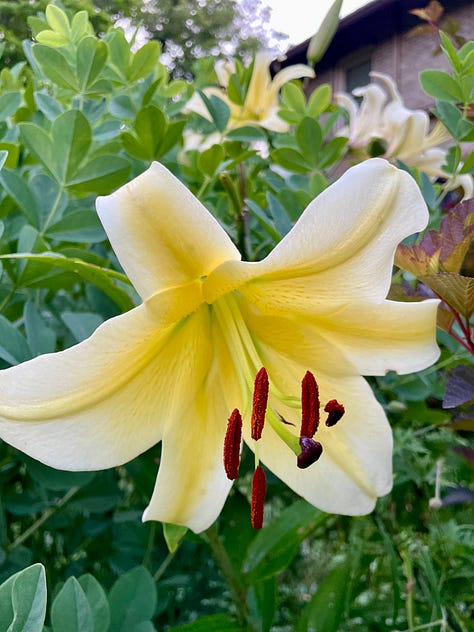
column 309, row 405
column 232, row 441
column 259, row 406
column 335, row 411
column 311, row 450
column 259, row 488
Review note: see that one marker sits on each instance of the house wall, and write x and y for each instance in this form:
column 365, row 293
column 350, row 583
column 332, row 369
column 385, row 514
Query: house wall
column 402, row 57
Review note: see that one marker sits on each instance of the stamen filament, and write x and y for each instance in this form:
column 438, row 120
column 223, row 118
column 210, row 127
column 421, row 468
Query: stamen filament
column 282, row 431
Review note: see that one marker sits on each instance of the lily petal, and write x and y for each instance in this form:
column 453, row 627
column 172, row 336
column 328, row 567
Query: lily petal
column 162, row 235
column 105, row 400
column 342, row 247
column 192, row 486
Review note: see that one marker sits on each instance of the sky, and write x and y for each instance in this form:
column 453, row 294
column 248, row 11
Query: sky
column 299, row 19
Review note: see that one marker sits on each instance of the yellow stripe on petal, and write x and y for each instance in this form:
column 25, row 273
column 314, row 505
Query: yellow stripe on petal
column 162, row 235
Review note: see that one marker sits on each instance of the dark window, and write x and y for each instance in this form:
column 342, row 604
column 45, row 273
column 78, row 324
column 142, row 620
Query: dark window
column 357, row 75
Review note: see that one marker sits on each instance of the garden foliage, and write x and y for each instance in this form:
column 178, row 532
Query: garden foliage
column 81, row 117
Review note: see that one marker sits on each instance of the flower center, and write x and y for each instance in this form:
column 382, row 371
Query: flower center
column 306, row 449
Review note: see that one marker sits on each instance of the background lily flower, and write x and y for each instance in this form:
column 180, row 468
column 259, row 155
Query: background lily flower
column 173, row 368
column 383, row 121
column 260, row 106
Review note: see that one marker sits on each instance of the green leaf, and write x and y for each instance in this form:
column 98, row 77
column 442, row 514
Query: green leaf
column 144, row 61
column 280, row 216
column 41, row 338
column 91, row 59
column 9, row 104
column 78, row 226
column 72, row 136
column 13, row 346
column 56, row 480
column 440, row 85
column 173, row 534
column 309, row 139
column 103, row 278
column 319, row 100
column 55, row 66
column 81, row 324
column 101, row 175
column 325, row 611
column 218, row 109
column 23, row 600
column 210, row 160
column 3, row 157
column 293, row 97
column 211, row 623
column 57, row 20
column 149, row 130
column 18, row 189
column 262, row 601
column 291, row 159
column 39, row 144
column 98, row 603
column 132, row 600
column 247, row 133
column 71, row 610
column 276, row 545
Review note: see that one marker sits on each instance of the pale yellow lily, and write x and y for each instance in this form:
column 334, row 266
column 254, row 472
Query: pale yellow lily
column 383, row 116
column 261, row 105
column 173, row 368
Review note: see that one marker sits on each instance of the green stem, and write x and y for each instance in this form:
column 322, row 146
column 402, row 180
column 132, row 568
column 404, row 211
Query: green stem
column 234, row 583
column 47, row 514
column 163, row 566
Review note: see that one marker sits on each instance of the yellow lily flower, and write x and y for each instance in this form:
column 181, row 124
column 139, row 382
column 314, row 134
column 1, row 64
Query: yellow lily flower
column 382, row 116
column 261, row 105
column 173, row 368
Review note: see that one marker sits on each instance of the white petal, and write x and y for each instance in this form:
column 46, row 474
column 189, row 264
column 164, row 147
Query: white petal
column 106, row 400
column 162, row 235
column 341, row 249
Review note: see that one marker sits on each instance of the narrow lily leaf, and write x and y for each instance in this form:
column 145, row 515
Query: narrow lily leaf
column 325, row 611
column 276, row 545
column 103, row 278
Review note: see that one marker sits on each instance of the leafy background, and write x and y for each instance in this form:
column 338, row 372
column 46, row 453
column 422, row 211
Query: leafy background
column 83, row 115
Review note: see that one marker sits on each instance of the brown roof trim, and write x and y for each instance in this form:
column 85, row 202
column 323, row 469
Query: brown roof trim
column 370, row 25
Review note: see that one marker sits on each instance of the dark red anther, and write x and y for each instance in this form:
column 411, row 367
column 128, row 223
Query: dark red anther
column 259, row 407
column 233, row 437
column 309, row 405
column 311, row 450
column 335, row 411
column 259, row 487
